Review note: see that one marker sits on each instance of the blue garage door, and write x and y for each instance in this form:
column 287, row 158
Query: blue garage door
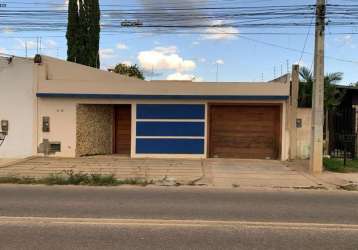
column 170, row 129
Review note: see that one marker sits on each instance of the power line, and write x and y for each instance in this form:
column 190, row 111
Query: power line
column 305, row 42
column 297, row 50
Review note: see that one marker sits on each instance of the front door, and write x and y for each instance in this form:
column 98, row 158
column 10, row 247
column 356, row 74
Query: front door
column 122, row 129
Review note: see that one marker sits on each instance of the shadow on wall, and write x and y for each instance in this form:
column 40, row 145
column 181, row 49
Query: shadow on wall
column 304, row 116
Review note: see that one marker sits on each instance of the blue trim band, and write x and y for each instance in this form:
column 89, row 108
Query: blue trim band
column 171, row 129
column 170, row 111
column 170, row 146
column 162, row 97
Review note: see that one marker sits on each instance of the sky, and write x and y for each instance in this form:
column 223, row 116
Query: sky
column 202, row 57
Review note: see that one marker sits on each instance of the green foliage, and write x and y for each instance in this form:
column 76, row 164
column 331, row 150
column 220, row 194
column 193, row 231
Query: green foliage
column 18, row 180
column 83, row 32
column 332, row 96
column 72, row 29
column 337, row 165
column 72, row 178
column 131, row 71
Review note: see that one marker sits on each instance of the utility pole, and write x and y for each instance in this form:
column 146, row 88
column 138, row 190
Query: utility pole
column 316, row 161
column 293, row 111
column 37, row 45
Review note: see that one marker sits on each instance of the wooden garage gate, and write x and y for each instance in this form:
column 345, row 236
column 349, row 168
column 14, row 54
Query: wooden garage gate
column 245, row 132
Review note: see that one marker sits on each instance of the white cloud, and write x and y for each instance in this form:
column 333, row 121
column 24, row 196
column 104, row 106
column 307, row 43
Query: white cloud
column 220, row 33
column 32, row 44
column 167, row 50
column 183, row 77
column 128, row 63
column 106, row 53
column 219, row 61
column 164, row 58
column 50, row 44
column 202, row 60
column 4, row 51
column 7, row 30
column 63, row 6
column 347, row 40
column 122, row 46
column 22, row 44
column 195, row 43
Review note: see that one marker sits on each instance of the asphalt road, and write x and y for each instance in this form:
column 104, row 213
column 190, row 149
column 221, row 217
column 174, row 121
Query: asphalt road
column 36, row 217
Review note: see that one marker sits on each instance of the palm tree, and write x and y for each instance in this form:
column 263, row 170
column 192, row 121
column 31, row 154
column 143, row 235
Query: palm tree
column 332, row 96
column 305, row 89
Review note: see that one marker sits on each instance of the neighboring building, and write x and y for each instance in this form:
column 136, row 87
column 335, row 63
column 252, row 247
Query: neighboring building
column 18, row 106
column 343, row 124
column 350, row 98
column 65, row 109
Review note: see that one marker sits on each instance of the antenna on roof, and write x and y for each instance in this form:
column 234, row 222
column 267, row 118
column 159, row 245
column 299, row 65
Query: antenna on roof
column 288, row 66
column 25, row 48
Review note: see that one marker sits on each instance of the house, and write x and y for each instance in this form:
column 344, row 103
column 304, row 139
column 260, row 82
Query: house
column 58, row 108
column 343, row 124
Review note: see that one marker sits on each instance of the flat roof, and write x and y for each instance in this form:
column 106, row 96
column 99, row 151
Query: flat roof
column 64, row 79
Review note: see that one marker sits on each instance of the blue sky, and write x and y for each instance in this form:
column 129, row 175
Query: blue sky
column 197, row 55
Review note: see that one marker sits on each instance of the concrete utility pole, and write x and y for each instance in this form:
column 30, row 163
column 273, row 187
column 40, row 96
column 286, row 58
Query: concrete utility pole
column 316, row 164
column 293, row 111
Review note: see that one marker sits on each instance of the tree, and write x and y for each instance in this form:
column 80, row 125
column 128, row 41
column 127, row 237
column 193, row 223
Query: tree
column 129, row 70
column 332, row 96
column 72, row 29
column 93, row 34
column 83, row 32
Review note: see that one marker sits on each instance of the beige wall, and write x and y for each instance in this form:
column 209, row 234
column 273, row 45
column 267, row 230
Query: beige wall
column 94, row 129
column 63, row 114
column 304, row 133
column 18, row 107
column 56, row 76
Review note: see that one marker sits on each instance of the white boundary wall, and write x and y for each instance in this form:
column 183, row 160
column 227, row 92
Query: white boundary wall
column 17, row 105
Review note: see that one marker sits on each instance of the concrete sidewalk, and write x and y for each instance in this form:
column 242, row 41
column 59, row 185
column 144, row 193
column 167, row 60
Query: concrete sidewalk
column 257, row 173
column 208, row 172
column 329, row 179
column 183, row 171
column 4, row 162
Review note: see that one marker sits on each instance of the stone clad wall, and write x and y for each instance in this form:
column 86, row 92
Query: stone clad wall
column 94, row 130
